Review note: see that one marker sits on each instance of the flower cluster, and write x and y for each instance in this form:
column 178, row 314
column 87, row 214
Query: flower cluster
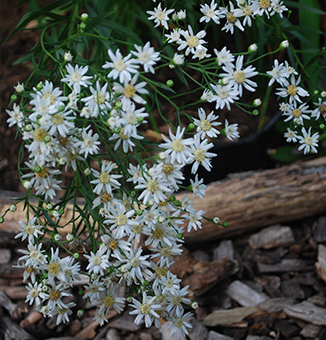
column 91, row 122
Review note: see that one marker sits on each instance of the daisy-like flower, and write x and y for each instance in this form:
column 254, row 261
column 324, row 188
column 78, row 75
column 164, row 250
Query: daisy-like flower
column 192, row 41
column 48, row 91
column 232, row 19
column 205, row 125
column 278, row 7
column 198, row 188
column 125, row 139
column 99, row 100
column 109, row 300
column 178, row 59
column 166, row 254
column 145, row 309
column 130, row 90
column 210, row 13
column 294, row 112
column 33, row 295
column 114, row 244
column 179, row 323
column 199, row 154
column 16, row 116
column 278, row 73
column 239, row 77
column 147, row 57
column 175, row 301
column 104, row 179
column 34, row 256
column 62, row 123
column 292, row 90
column 174, row 36
column 244, row 11
column 224, row 57
column 63, row 313
column 194, row 218
column 225, row 95
column 56, row 267
column 260, row 7
column 54, row 297
column 98, row 262
column 76, row 77
column 122, row 67
column 291, row 136
column 176, row 146
column 231, row 130
column 119, row 220
column 207, row 96
column 160, row 16
column 89, row 144
column 132, row 118
column 42, row 107
column 100, row 318
column 170, row 284
column 308, row 142
column 29, row 230
column 320, row 110
column 289, row 69
column 201, row 53
column 94, row 289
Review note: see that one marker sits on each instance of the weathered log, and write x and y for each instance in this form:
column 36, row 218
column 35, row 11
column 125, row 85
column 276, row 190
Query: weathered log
column 247, row 200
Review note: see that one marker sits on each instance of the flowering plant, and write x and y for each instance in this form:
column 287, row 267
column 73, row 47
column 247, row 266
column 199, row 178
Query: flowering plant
column 85, row 112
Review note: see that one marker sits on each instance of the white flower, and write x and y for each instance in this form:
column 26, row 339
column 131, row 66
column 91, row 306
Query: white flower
column 160, row 16
column 34, row 291
column 132, row 118
column 122, row 67
column 207, row 96
column 130, row 90
column 98, row 262
column 191, row 41
column 253, row 48
column 76, row 77
column 224, row 56
column 320, row 110
column 278, row 7
column 178, row 59
column 284, row 44
column 98, row 101
column 292, row 90
column 259, row 7
column 179, row 323
column 225, row 95
column 194, row 217
column 198, row 188
column 145, row 309
column 182, row 14
column 278, row 73
column 200, row 53
column 244, row 11
column 210, row 13
column 205, row 125
column 231, row 131
column 308, row 142
column 89, row 143
column 67, row 56
column 232, row 20
column 62, row 123
column 294, row 112
column 19, row 88
column 105, row 180
column 177, row 147
column 16, row 116
column 291, row 136
column 199, row 154
column 147, row 57
column 174, row 36
column 239, row 77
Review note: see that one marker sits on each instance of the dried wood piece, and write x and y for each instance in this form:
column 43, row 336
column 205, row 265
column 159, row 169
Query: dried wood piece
column 276, row 305
column 32, row 318
column 5, row 256
column 292, row 288
column 212, row 335
column 268, row 257
column 15, row 293
column 112, row 334
column 286, row 265
column 321, row 264
column 125, row 321
column 272, row 237
column 307, row 312
column 320, row 233
column 224, row 250
column 310, row 331
column 198, row 330
column 66, row 338
column 245, row 295
column 229, row 317
column 287, row 329
column 13, row 309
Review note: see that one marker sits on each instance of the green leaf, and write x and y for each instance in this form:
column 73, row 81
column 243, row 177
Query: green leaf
column 287, row 154
column 306, row 8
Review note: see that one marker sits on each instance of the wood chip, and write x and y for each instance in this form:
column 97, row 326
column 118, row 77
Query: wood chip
column 217, row 336
column 320, row 233
column 5, row 256
column 245, row 295
column 321, row 264
column 286, row 265
column 276, row 305
column 310, row 331
column 307, row 312
column 292, row 288
column 198, row 330
column 224, row 250
column 228, row 317
column 125, row 321
column 272, row 237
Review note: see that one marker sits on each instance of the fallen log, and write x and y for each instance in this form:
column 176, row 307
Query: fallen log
column 247, row 200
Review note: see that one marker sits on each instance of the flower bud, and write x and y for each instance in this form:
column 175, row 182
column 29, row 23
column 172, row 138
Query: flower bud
column 57, row 237
column 87, row 172
column 169, row 83
column 80, row 312
column 322, row 126
column 13, row 98
column 39, row 86
column 19, row 87
column 76, row 256
column 225, row 81
column 179, row 236
column 13, row 208
column 82, row 26
column 216, row 220
column 323, row 94
column 139, row 212
column 47, row 139
column 37, row 168
column 1, row 219
column 284, row 44
column 256, row 102
column 194, row 305
column 252, row 48
column 191, row 126
column 28, row 127
column 255, row 112
column 67, row 56
column 118, row 105
column 84, row 17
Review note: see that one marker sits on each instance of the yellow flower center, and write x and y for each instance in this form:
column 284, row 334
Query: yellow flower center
column 96, row 260
column 121, row 220
column 63, row 141
column 145, row 308
column 99, row 98
column 158, row 233
column 160, row 15
column 296, row 113
column 130, row 118
column 57, row 119
column 43, row 109
column 322, row 108
column 308, row 140
column 105, row 197
column 122, row 135
column 137, row 229
column 104, row 177
column 176, row 300
column 246, row 10
column 134, row 262
column 192, row 41
column 223, row 94
column 42, row 173
column 199, row 155
column 39, row 134
column 168, row 169
column 88, row 142
column 239, row 77
column 76, row 78
column 29, row 229
column 54, row 295
column 119, row 65
column 210, row 13
column 49, row 95
column 108, row 301
column 33, row 254
column 34, row 293
column 144, row 57
column 264, row 3
column 166, row 252
column 178, row 322
column 291, row 90
column 231, row 18
column 54, row 268
column 176, row 146
column 129, row 91
column 205, row 125
column 161, row 271
column 168, row 283
column 152, row 186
